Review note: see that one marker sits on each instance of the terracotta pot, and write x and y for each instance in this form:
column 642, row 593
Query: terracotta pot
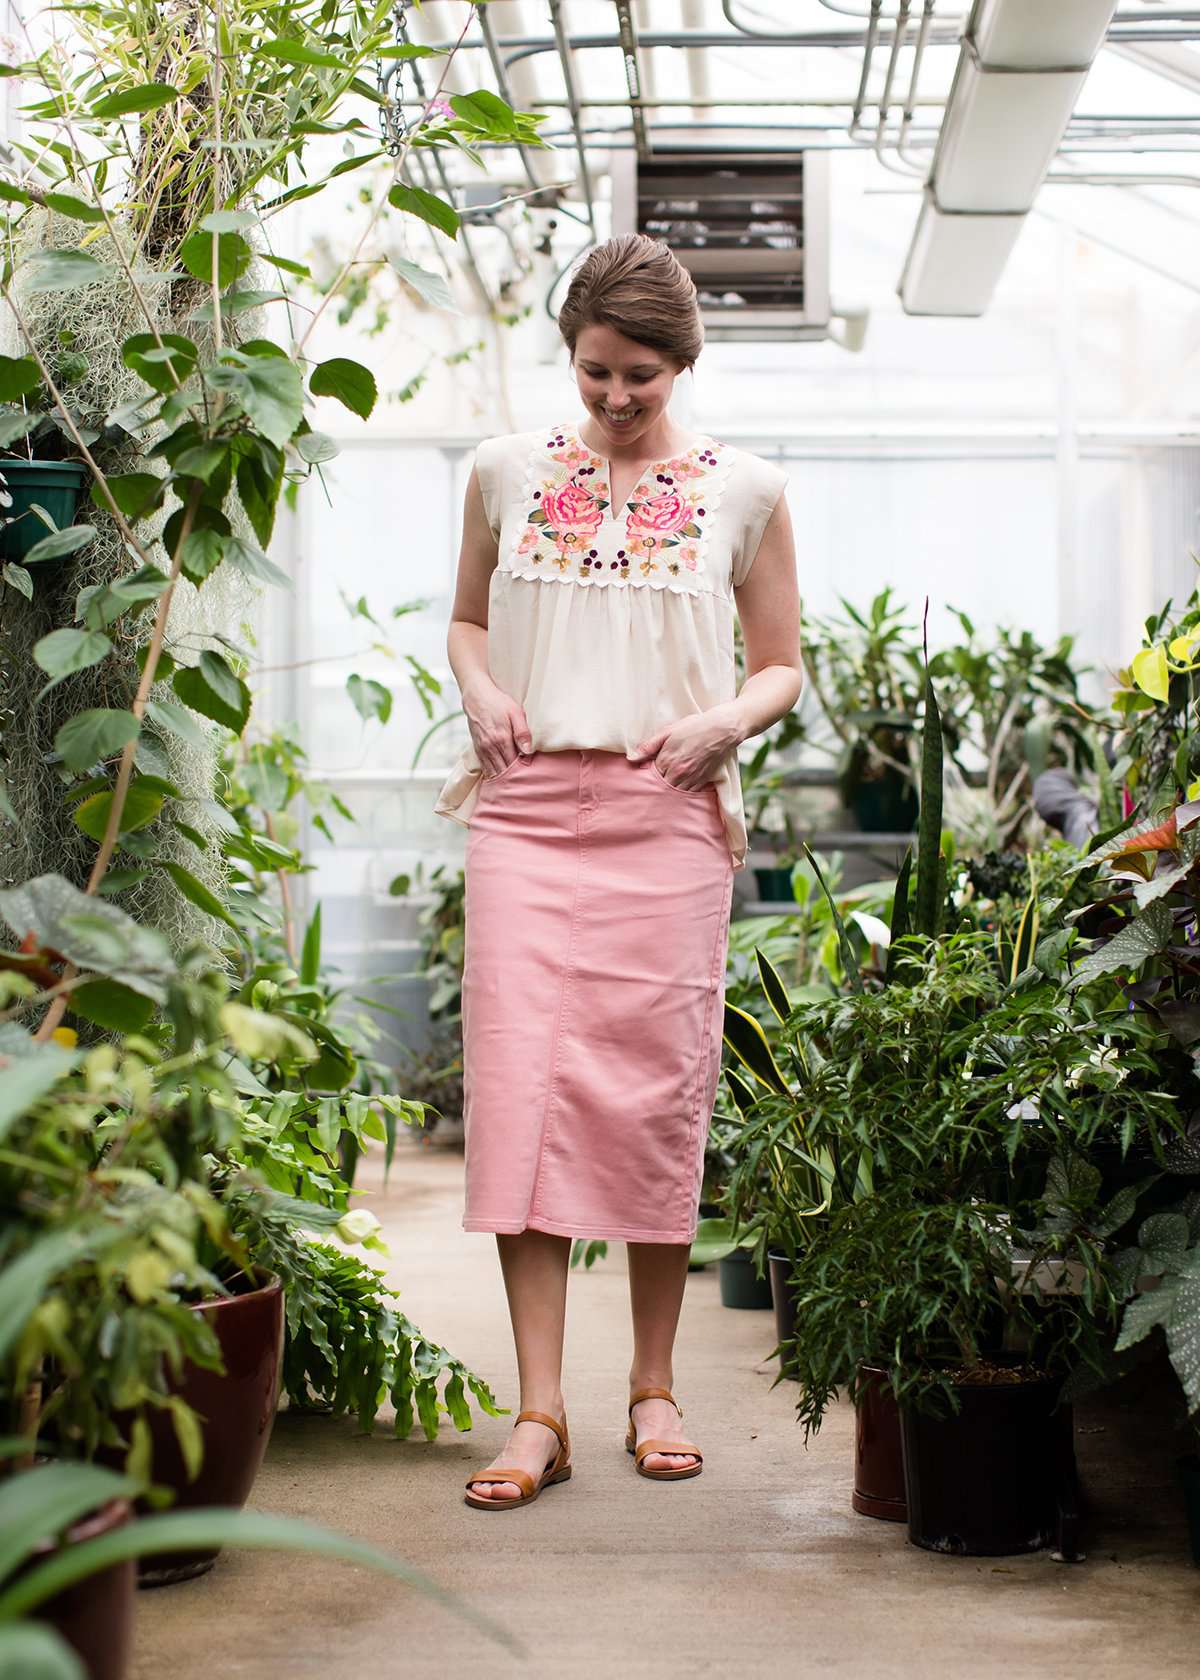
column 95, row 1616
column 237, row 1411
column 994, row 1479
column 878, row 1451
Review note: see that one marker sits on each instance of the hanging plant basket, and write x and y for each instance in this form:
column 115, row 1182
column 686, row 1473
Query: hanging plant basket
column 53, row 485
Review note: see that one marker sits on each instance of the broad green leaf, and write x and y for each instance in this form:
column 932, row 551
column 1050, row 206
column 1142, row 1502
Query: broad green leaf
column 287, row 50
column 162, row 367
column 66, row 651
column 198, row 894
column 23, row 1283
column 58, row 543
column 316, row 447
column 415, row 201
column 93, row 735
column 95, row 936
column 271, row 391
column 35, row 1652
column 234, row 256
column 228, row 221
column 1151, row 672
column 370, row 699
column 773, row 987
column 14, row 423
column 352, row 384
column 141, row 807
column 18, row 376
column 28, row 1078
column 135, row 493
column 18, row 578
column 177, row 720
column 77, row 208
column 148, row 97
column 63, row 271
column 1144, row 937
column 109, row 1004
column 253, row 563
column 212, row 689
column 430, row 288
column 202, row 553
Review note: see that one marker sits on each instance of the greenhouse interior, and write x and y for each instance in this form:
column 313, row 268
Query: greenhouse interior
column 538, row 534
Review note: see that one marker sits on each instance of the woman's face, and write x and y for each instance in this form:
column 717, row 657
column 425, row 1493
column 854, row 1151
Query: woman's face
column 625, row 386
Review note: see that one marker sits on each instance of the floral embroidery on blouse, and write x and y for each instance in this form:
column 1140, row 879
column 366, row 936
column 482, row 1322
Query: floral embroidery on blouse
column 660, row 530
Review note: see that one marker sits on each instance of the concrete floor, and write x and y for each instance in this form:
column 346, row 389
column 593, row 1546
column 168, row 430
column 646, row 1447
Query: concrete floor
column 758, row 1567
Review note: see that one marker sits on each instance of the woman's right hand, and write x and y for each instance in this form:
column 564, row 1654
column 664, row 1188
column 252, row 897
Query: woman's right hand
column 498, row 726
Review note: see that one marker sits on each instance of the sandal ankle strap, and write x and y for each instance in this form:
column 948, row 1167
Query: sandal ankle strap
column 653, row 1394
column 560, row 1429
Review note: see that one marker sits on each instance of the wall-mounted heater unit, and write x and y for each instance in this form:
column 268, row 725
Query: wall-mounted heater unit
column 752, row 229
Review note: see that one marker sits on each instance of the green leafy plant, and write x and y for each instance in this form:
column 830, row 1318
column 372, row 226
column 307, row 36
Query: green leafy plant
column 40, row 1505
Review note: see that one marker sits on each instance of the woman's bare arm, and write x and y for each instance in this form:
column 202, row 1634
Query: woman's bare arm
column 497, row 722
column 691, row 752
column 768, row 606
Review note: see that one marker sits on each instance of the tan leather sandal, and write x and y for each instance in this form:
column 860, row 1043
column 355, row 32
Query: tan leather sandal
column 645, row 1448
column 558, row 1470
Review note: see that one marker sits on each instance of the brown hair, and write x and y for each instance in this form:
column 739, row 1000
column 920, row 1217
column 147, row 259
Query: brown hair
column 637, row 286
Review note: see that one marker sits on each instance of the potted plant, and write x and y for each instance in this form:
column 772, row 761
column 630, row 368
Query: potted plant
column 974, row 1101
column 42, row 473
column 66, row 1576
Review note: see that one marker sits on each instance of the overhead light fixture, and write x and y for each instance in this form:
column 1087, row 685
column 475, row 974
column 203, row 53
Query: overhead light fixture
column 955, row 260
column 1019, row 75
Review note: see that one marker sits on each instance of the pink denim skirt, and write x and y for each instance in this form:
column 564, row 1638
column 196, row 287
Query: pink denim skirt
column 597, row 924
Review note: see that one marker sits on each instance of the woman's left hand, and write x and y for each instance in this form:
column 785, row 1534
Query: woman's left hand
column 690, row 753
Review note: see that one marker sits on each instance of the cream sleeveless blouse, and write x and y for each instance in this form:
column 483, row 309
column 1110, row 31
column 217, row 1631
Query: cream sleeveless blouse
column 610, row 624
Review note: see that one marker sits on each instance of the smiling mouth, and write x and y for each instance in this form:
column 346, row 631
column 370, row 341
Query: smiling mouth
column 621, row 419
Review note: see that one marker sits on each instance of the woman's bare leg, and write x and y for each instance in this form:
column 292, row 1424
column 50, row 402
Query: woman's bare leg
column 535, row 1279
column 657, row 1275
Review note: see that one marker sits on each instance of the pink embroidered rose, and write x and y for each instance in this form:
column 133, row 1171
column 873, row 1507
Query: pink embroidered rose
column 689, row 553
column 529, row 540
column 660, row 516
column 571, row 512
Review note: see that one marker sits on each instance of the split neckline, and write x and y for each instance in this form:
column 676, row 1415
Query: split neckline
column 660, row 467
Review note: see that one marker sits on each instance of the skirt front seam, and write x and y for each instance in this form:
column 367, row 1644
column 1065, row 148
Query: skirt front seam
column 694, row 1142
column 560, row 1015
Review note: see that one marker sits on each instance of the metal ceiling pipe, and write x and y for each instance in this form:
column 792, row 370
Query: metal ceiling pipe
column 563, row 47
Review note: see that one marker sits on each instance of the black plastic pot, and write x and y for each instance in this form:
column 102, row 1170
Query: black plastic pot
column 779, row 1270
column 887, row 804
column 878, row 1451
column 774, row 884
column 995, row 1478
column 1189, row 1479
column 95, row 1616
column 54, row 485
column 740, row 1284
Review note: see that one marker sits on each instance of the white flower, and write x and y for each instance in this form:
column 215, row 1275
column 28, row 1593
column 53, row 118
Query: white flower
column 357, row 1226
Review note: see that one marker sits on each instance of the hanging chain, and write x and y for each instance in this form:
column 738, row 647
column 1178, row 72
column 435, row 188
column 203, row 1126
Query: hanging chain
column 393, row 128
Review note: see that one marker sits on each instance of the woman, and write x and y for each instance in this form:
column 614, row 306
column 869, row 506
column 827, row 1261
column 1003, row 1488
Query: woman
column 592, row 639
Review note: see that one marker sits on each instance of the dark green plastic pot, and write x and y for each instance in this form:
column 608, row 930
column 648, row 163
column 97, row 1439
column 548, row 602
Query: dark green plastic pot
column 741, row 1285
column 887, row 805
column 54, row 485
column 774, row 884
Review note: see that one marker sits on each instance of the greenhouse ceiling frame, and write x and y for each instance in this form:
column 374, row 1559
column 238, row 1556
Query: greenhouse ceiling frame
column 889, row 113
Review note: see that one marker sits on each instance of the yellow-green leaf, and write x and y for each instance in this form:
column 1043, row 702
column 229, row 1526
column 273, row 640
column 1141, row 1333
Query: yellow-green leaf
column 1151, row 672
